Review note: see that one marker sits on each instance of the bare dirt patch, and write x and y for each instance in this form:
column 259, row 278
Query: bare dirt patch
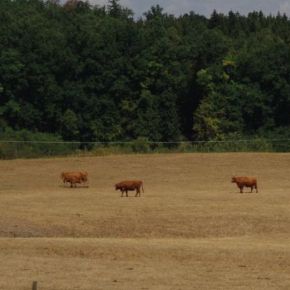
column 191, row 229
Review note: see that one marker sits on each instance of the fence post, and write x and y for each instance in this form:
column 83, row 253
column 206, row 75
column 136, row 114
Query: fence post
column 34, row 285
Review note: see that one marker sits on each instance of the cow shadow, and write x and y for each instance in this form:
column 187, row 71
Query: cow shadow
column 69, row 187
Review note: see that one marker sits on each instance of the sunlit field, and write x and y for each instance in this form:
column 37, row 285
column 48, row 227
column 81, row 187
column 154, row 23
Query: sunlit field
column 191, row 229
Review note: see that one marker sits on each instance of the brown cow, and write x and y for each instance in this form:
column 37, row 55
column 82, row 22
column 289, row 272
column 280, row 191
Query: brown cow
column 130, row 185
column 245, row 181
column 74, row 177
column 82, row 174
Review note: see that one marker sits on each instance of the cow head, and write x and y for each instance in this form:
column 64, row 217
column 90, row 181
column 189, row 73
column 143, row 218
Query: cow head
column 84, row 176
column 234, row 179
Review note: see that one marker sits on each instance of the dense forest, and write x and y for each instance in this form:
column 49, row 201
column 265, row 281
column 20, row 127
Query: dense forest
column 91, row 73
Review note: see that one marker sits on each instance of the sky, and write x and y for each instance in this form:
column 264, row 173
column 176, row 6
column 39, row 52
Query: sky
column 205, row 7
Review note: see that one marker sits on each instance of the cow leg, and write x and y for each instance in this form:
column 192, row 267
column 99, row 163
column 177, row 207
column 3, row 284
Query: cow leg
column 122, row 191
column 251, row 188
column 241, row 189
column 137, row 192
column 126, row 192
column 256, row 188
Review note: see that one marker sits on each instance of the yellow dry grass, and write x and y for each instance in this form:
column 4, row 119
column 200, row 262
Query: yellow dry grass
column 191, row 229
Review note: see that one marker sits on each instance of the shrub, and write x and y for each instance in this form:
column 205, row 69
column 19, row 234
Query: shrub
column 26, row 144
column 141, row 145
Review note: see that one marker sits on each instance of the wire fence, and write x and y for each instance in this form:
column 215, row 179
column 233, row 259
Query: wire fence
column 11, row 149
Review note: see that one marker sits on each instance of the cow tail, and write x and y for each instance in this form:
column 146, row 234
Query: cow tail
column 142, row 188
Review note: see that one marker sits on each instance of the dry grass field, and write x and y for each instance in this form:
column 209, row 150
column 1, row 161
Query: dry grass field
column 191, row 229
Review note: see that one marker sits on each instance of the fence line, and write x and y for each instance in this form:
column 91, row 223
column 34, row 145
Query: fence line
column 145, row 141
column 10, row 149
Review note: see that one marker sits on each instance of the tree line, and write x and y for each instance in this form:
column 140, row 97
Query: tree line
column 89, row 73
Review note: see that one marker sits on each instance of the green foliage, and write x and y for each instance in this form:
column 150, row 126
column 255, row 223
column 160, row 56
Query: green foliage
column 141, row 145
column 92, row 73
column 70, row 124
column 26, row 144
column 206, row 122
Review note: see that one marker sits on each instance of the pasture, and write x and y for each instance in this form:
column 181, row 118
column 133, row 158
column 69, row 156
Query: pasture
column 191, row 229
